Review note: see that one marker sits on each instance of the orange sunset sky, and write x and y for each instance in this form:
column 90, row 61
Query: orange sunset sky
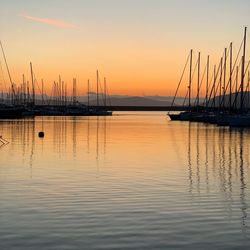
column 139, row 45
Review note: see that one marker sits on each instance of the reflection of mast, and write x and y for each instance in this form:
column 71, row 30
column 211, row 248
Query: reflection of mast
column 223, row 159
column 88, row 135
column 105, row 135
column 189, row 159
column 65, row 133
column 198, row 157
column 206, row 160
column 74, row 136
column 97, row 144
column 97, row 138
column 32, row 147
column 42, row 93
column 243, row 185
column 230, row 162
column 88, row 92
column 42, row 130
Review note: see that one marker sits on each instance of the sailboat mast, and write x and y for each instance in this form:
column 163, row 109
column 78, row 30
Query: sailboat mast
column 220, row 83
column 60, row 90
column 24, row 90
column 42, row 93
column 74, row 91
column 214, row 103
column 97, row 88
column 33, row 84
column 224, row 78
column 88, row 91
column 243, row 71
column 8, row 70
column 236, row 87
column 230, row 79
column 248, row 83
column 198, row 83
column 66, row 94
column 190, row 80
column 105, row 92
column 208, row 61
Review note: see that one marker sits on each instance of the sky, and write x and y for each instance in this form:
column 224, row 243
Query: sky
column 140, row 46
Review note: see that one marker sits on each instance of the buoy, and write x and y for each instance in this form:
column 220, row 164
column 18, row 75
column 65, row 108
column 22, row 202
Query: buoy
column 41, row 134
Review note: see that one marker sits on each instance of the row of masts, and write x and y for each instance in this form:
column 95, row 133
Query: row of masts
column 26, row 94
column 219, row 86
column 227, row 95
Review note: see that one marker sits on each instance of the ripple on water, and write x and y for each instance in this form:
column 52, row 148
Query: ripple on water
column 123, row 182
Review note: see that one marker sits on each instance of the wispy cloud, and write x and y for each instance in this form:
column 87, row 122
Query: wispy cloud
column 49, row 21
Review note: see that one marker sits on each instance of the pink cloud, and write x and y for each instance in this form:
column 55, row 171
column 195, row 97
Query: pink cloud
column 49, row 21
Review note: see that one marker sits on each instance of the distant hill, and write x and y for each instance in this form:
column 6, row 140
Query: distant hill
column 132, row 101
column 120, row 100
column 235, row 100
column 152, row 101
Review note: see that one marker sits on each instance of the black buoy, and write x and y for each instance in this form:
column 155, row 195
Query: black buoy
column 41, row 134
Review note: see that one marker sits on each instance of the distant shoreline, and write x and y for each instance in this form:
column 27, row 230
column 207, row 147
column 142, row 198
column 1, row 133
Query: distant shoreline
column 144, row 108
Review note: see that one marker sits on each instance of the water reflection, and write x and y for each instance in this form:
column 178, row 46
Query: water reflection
column 102, row 182
column 222, row 150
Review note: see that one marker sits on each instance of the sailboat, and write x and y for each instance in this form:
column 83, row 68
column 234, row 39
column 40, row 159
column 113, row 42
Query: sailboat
column 97, row 111
column 10, row 111
column 184, row 116
column 243, row 118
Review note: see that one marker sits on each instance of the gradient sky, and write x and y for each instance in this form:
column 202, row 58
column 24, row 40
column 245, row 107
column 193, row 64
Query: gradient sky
column 139, row 45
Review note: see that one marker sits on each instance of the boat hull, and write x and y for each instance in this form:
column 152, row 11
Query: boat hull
column 242, row 121
column 11, row 113
column 174, row 117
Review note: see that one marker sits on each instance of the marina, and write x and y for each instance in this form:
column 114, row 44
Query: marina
column 22, row 101
column 226, row 101
column 124, row 125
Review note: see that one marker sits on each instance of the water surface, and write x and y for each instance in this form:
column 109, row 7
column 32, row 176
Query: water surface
column 131, row 181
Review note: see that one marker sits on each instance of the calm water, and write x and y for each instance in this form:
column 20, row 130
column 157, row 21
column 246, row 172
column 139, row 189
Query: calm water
column 131, row 181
